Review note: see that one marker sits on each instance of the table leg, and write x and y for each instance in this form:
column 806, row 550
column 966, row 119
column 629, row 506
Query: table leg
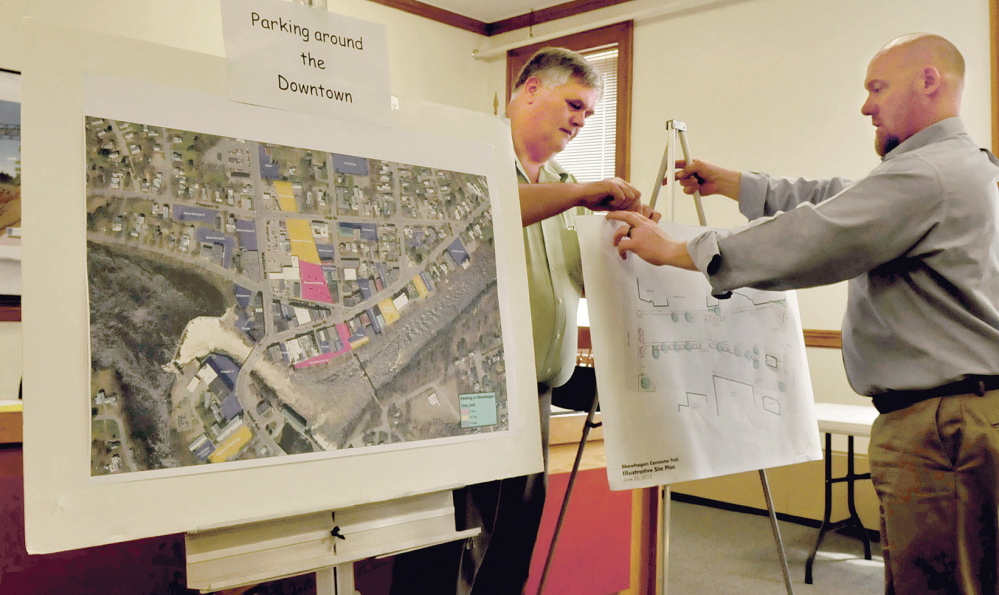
column 827, row 512
column 853, row 521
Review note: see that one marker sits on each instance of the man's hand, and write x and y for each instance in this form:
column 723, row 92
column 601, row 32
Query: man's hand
column 541, row 201
column 706, row 178
column 612, row 194
column 648, row 213
column 644, row 237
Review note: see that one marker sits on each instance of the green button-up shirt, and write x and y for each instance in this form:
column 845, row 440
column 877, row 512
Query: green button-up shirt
column 555, row 284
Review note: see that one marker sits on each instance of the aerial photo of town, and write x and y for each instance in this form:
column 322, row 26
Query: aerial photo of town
column 251, row 300
column 10, row 194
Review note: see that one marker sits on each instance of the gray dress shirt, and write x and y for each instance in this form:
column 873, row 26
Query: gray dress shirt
column 918, row 240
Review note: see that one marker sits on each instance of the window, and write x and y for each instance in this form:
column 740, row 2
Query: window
column 601, row 149
column 591, row 155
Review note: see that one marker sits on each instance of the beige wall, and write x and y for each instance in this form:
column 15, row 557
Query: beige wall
column 769, row 85
column 427, row 60
column 775, row 86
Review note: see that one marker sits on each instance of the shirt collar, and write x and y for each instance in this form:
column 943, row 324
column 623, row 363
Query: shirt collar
column 550, row 172
column 946, row 128
column 520, row 171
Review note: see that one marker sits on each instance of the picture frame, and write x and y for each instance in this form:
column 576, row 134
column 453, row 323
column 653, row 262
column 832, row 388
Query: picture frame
column 10, row 195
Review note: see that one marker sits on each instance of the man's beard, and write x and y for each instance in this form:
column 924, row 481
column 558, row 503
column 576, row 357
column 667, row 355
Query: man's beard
column 885, row 143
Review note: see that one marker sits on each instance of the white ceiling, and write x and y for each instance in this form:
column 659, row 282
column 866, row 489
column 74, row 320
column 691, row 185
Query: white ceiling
column 490, row 11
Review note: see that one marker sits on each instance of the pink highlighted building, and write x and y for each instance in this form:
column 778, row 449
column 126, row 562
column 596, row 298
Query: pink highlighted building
column 314, row 285
column 344, row 333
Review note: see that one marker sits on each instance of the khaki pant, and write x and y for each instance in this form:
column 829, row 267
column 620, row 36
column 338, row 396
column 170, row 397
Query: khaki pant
column 935, row 466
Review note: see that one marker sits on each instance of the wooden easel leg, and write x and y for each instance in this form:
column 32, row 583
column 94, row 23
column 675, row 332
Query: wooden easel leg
column 336, row 580
column 776, row 529
column 568, row 490
column 662, row 545
column 644, row 533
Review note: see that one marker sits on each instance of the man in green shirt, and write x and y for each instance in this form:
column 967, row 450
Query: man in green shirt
column 554, row 94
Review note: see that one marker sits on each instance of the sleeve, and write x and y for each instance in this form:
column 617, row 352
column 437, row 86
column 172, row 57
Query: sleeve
column 761, row 195
column 570, row 245
column 876, row 220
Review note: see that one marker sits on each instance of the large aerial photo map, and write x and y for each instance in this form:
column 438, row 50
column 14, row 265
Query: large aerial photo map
column 250, row 300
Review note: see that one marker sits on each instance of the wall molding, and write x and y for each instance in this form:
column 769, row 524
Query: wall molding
column 813, row 338
column 436, row 14
column 535, row 17
column 546, row 15
column 621, row 35
column 10, row 308
column 820, row 338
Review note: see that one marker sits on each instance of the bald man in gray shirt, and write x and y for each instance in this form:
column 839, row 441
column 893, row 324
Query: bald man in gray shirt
column 918, row 239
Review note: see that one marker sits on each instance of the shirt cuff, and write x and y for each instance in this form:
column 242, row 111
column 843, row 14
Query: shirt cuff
column 706, row 254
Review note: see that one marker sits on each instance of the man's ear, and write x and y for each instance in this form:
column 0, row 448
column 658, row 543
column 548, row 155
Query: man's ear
column 930, row 80
column 531, row 87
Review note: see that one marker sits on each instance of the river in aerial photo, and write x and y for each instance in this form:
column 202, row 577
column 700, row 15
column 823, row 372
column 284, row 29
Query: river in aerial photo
column 139, row 308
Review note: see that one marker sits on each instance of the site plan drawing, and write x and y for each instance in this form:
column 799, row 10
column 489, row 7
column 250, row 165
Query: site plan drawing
column 250, row 300
column 690, row 385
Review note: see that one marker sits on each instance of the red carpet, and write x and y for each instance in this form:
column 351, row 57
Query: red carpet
column 593, row 552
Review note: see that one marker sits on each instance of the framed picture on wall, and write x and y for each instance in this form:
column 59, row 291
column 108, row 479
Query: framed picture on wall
column 10, row 194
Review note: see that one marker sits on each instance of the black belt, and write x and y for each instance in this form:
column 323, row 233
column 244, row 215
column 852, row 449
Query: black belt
column 894, row 400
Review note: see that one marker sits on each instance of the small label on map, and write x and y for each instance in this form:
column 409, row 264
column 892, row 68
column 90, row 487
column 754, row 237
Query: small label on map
column 477, row 409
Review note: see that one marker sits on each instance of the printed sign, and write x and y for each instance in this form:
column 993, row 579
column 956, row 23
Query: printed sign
column 478, row 410
column 303, row 59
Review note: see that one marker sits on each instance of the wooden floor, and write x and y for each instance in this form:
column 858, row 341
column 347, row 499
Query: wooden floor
column 566, row 431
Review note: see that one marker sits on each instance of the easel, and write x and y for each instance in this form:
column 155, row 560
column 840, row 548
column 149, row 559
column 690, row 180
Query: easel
column 676, row 132
column 324, row 543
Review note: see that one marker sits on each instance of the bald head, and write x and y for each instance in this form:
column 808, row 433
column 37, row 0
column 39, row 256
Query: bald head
column 913, row 82
column 925, row 49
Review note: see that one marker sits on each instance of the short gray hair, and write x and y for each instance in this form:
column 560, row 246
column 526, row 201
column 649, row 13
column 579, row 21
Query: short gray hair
column 554, row 67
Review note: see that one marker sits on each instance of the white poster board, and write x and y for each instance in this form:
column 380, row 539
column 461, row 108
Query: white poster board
column 143, row 88
column 691, row 386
